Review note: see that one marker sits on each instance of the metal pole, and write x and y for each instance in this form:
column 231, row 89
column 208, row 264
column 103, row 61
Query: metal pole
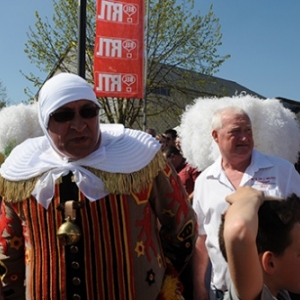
column 81, row 37
column 145, row 113
column 146, row 68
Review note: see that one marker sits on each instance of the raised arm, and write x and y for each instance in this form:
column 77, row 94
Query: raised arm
column 240, row 231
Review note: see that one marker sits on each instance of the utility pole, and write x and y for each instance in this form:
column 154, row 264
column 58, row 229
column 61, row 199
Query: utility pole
column 146, row 67
column 81, row 37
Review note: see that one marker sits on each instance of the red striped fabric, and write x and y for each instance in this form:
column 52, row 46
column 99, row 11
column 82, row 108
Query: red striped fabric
column 109, row 238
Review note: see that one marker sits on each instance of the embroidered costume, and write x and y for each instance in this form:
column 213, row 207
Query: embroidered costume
column 113, row 225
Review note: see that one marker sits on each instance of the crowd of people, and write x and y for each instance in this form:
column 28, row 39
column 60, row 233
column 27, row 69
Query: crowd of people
column 99, row 211
column 170, row 146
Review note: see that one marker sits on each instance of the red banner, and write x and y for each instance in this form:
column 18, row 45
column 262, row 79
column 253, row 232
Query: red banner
column 119, row 49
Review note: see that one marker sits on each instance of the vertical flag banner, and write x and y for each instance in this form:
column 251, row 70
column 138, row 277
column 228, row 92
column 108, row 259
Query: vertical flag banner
column 119, row 49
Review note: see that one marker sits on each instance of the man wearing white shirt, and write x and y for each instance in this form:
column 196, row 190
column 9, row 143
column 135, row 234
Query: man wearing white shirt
column 238, row 165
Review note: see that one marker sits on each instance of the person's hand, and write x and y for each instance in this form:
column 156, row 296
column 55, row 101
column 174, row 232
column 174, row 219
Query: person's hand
column 247, row 193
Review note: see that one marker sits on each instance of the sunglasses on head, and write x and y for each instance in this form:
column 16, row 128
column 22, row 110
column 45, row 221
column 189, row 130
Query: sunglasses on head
column 69, row 114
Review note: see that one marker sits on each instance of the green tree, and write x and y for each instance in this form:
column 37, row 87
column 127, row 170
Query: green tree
column 4, row 100
column 178, row 42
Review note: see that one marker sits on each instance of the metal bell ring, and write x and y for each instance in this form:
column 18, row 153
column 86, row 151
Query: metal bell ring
column 69, row 233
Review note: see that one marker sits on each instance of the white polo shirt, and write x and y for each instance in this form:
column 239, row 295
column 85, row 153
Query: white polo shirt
column 273, row 175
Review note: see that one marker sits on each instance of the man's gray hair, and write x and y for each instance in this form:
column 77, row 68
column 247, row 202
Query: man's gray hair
column 216, row 122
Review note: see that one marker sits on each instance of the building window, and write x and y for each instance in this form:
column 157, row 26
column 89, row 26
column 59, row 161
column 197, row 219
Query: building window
column 161, row 91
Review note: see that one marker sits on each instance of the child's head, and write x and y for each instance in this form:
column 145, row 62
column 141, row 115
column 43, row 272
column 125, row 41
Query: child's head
column 277, row 241
column 276, row 222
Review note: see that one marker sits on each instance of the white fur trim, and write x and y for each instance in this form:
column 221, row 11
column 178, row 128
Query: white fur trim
column 275, row 128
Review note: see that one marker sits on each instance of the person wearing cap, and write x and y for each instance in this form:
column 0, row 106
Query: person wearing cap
column 90, row 211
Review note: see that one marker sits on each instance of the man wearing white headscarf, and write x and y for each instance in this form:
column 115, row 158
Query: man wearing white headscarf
column 81, row 207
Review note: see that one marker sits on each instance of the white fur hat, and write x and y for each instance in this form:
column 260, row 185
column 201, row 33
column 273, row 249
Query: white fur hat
column 275, row 128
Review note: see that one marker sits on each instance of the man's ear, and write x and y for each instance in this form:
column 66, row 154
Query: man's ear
column 268, row 262
column 214, row 134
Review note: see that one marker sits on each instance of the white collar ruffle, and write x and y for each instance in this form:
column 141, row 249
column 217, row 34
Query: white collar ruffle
column 121, row 151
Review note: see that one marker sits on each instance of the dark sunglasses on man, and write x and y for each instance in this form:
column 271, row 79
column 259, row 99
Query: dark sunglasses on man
column 68, row 114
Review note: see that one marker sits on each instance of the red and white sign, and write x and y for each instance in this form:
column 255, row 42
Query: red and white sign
column 119, row 49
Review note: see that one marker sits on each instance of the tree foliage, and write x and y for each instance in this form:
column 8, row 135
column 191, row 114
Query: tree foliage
column 4, row 100
column 177, row 40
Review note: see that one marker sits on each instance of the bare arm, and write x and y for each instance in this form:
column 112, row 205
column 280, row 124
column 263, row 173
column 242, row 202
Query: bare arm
column 200, row 267
column 240, row 231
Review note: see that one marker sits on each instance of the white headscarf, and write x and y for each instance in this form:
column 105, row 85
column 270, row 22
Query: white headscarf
column 58, row 91
column 121, row 150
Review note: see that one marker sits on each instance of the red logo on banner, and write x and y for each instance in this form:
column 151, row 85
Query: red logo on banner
column 118, row 12
column 119, row 49
column 116, row 83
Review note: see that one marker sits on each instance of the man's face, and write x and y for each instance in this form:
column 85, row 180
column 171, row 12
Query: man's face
column 177, row 143
column 169, row 139
column 235, row 138
column 78, row 136
column 175, row 160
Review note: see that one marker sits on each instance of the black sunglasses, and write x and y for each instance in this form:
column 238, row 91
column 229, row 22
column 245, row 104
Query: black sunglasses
column 69, row 114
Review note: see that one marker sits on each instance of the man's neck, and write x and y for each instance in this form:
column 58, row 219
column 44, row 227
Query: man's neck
column 236, row 164
column 235, row 170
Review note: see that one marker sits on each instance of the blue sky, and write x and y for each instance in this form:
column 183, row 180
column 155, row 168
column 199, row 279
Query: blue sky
column 262, row 37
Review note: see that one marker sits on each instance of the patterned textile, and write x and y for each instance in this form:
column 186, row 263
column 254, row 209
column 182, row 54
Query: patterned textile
column 126, row 242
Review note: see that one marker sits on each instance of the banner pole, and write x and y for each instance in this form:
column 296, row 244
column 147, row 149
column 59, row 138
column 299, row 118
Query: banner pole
column 146, row 67
column 81, row 38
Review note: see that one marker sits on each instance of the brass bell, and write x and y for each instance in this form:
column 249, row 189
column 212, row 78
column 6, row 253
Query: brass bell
column 68, row 233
